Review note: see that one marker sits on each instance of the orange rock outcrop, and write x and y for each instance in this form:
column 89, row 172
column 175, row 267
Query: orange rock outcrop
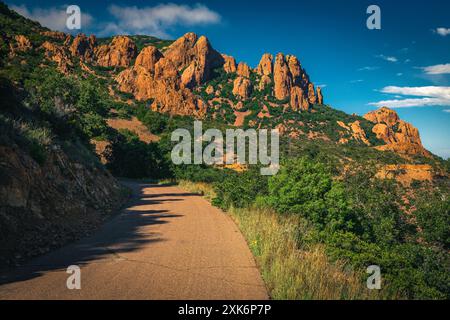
column 399, row 136
column 298, row 101
column 242, row 87
column 119, row 53
column 229, row 64
column 243, row 70
column 282, row 78
column 265, row 66
column 83, row 47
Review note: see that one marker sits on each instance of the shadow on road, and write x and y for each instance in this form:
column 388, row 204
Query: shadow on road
column 119, row 235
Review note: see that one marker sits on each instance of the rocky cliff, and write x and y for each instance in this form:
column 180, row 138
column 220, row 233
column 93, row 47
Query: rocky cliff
column 189, row 77
column 45, row 205
column 171, row 78
column 398, row 135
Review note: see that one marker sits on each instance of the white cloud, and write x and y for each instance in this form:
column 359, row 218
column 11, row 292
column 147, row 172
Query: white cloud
column 368, row 68
column 443, row 31
column 387, row 58
column 53, row 18
column 438, row 69
column 407, row 103
column 447, row 110
column 429, row 96
column 158, row 19
column 356, row 81
column 430, row 91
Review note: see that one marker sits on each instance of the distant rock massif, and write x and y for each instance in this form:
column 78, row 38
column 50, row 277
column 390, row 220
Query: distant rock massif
column 172, row 78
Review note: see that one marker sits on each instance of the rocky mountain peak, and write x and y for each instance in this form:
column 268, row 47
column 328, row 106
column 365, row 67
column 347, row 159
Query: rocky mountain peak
column 243, row 70
column 282, row 78
column 148, row 57
column 265, row 66
column 229, row 64
column 383, row 115
column 119, row 53
column 399, row 136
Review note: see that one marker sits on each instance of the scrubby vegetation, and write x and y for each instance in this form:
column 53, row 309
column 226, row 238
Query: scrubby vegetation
column 357, row 222
column 314, row 227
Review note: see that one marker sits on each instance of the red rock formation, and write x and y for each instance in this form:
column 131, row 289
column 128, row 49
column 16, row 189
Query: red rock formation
column 148, row 58
column 55, row 35
column 319, row 96
column 83, row 47
column 399, row 136
column 242, row 87
column 358, row 133
column 59, row 55
column 229, row 64
column 264, row 82
column 243, row 70
column 170, row 78
column 119, row 53
column 282, row 78
column 209, row 89
column 406, row 174
column 265, row 66
column 22, row 43
column 181, row 52
column 163, row 86
column 194, row 53
column 295, row 70
column 311, row 94
column 298, row 101
column 383, row 115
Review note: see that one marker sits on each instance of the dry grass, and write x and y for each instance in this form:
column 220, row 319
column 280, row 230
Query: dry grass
column 291, row 270
column 203, row 189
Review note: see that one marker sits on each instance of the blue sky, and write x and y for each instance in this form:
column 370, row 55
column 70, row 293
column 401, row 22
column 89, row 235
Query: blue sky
column 405, row 65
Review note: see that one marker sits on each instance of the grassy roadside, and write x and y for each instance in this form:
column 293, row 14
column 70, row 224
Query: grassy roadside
column 291, row 269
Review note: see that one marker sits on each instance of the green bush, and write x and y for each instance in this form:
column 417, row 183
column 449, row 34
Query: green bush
column 129, row 157
column 433, row 217
column 240, row 190
column 307, row 188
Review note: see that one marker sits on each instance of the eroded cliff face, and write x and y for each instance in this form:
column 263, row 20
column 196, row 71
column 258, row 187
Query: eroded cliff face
column 289, row 77
column 43, row 206
column 119, row 53
column 156, row 77
column 172, row 78
column 399, row 136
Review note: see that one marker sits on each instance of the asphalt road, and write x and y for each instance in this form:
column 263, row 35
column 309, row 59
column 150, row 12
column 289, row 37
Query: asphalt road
column 166, row 244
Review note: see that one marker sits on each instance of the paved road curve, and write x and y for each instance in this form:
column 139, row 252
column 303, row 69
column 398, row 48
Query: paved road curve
column 167, row 244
